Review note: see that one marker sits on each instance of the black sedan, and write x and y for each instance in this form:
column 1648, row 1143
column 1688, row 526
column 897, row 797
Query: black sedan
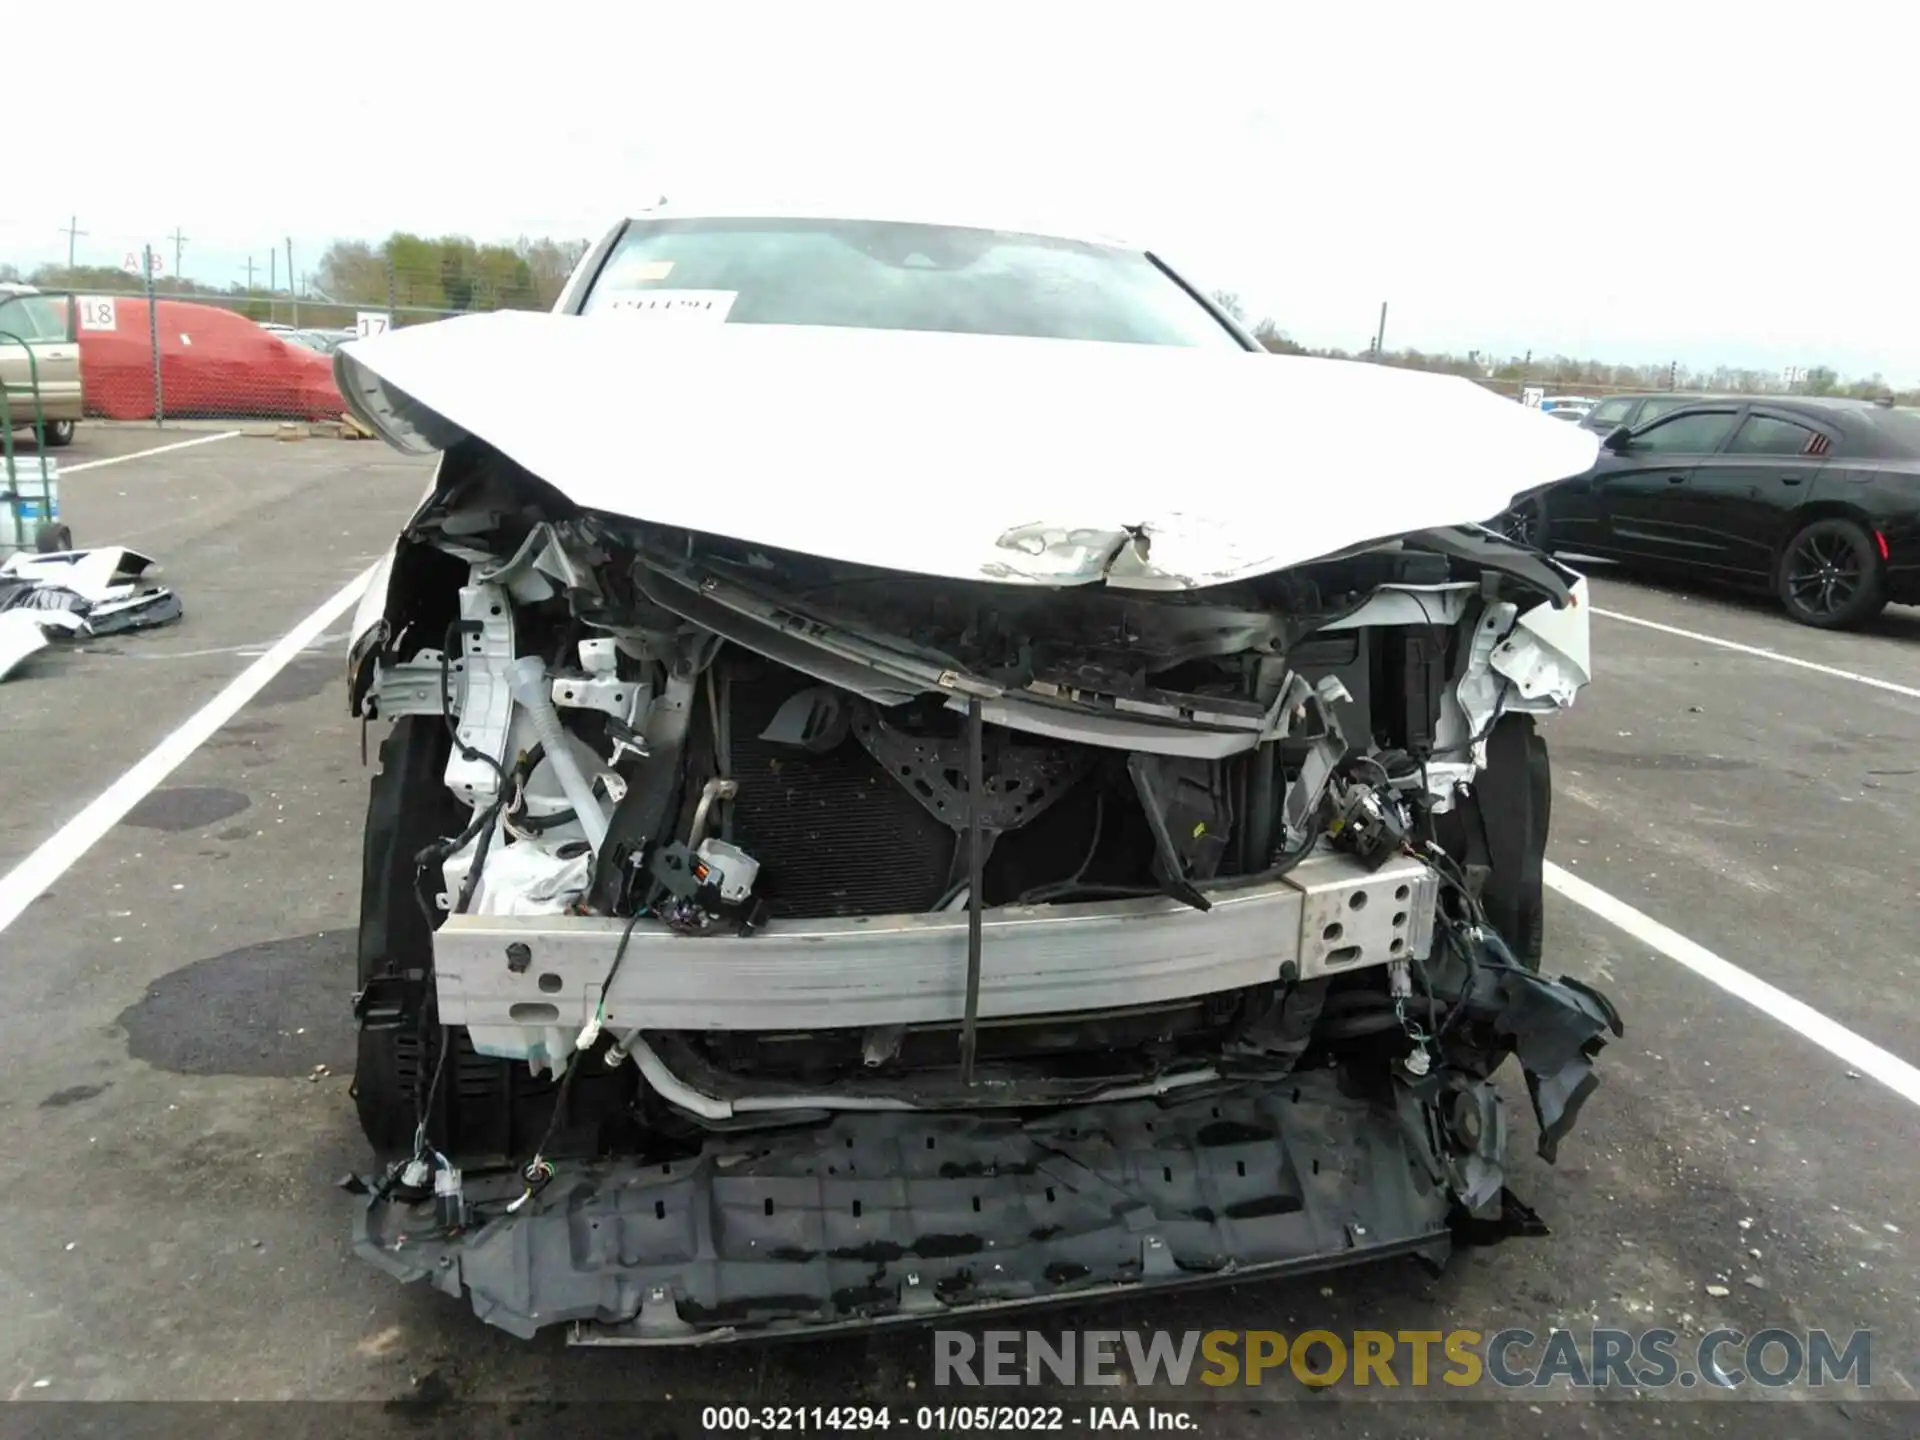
column 1816, row 500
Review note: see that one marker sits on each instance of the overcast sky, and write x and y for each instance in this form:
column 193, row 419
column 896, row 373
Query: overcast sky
column 1509, row 177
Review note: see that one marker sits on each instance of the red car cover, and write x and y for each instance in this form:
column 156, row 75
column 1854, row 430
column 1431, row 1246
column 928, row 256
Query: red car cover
column 212, row 363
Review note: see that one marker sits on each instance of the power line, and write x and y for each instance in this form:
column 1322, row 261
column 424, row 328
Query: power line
column 73, row 232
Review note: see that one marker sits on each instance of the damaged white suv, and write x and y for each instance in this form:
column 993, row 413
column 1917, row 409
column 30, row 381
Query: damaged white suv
column 961, row 782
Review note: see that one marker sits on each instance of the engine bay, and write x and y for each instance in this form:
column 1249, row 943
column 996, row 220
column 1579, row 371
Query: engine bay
column 677, row 837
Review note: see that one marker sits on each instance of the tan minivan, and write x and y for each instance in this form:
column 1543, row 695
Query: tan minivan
column 44, row 325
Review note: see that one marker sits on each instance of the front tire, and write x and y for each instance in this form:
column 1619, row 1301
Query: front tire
column 59, row 434
column 484, row 1109
column 408, row 809
column 1831, row 575
column 1498, row 832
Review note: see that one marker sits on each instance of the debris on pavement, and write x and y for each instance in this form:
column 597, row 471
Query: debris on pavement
column 76, row 595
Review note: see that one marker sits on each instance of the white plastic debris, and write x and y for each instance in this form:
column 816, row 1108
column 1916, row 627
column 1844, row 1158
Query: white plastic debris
column 97, row 574
column 75, row 594
column 21, row 635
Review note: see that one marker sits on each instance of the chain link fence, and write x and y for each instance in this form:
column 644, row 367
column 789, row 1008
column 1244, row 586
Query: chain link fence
column 154, row 349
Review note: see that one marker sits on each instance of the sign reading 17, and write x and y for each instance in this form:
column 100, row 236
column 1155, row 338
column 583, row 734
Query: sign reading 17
column 368, row 323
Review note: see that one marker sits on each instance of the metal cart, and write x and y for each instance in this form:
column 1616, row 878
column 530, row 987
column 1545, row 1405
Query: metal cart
column 29, row 485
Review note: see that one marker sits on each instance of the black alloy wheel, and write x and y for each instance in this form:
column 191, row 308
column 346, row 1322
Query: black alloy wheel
column 1525, row 524
column 1832, row 576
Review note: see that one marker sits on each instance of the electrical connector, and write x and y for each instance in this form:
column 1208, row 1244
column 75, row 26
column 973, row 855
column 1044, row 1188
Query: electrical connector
column 1369, row 827
column 449, row 1203
column 537, row 1174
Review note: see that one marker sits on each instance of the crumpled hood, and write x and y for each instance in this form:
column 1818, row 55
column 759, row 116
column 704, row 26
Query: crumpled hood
column 969, row 457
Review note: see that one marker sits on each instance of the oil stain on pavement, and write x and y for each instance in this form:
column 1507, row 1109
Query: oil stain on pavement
column 186, row 807
column 302, row 680
column 276, row 1009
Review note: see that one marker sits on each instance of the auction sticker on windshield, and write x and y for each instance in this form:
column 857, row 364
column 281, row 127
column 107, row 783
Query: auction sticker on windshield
column 705, row 304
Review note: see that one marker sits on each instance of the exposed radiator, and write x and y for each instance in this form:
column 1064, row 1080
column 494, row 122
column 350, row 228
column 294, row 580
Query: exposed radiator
column 834, row 834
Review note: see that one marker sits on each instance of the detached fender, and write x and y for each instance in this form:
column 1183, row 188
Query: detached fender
column 371, row 615
column 369, row 632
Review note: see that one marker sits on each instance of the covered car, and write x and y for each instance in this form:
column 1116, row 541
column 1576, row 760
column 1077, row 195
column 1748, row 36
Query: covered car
column 213, row 362
column 976, row 787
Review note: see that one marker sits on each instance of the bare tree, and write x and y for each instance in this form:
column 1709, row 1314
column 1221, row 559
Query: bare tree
column 1273, row 338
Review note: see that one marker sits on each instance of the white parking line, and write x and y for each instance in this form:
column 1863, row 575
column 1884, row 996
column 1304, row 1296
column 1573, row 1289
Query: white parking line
column 1764, row 654
column 28, row 880
column 66, row 470
column 1859, row 1052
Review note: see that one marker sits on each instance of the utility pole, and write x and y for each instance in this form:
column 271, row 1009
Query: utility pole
column 292, row 293
column 73, row 232
column 179, row 240
column 249, row 274
column 1380, row 335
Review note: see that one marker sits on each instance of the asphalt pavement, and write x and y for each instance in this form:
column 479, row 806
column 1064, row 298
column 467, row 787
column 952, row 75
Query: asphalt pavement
column 174, row 1015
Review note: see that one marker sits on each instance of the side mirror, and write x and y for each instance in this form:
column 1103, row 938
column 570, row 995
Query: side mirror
column 1617, row 438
